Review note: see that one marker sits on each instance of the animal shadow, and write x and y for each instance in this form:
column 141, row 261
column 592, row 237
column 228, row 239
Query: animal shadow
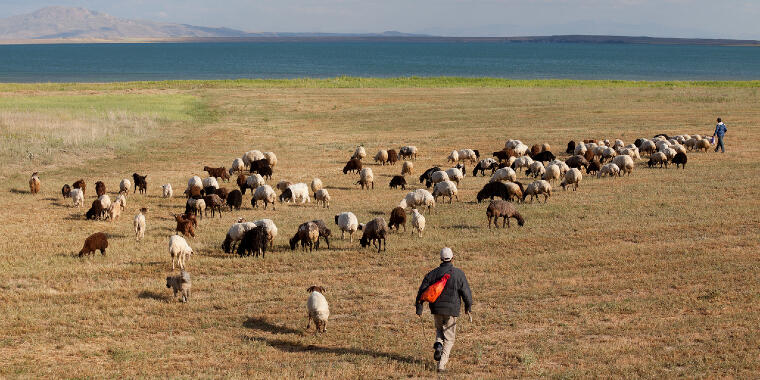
column 75, row 216
column 19, row 191
column 148, row 294
column 262, row 324
column 287, row 346
column 376, row 213
column 341, row 188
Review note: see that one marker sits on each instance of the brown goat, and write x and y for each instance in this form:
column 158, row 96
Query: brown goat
column 222, row 192
column 34, row 183
column 81, row 185
column 184, row 226
column 218, row 173
column 505, row 210
column 215, row 203
column 95, row 242
column 195, row 191
column 100, row 188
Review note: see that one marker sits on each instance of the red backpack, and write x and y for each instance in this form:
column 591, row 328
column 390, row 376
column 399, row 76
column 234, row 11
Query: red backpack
column 434, row 291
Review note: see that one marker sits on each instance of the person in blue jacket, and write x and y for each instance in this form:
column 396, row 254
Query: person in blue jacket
column 720, row 131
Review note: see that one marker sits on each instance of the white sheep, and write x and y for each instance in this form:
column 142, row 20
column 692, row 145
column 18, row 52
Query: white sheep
column 537, row 188
column 468, row 155
column 669, row 153
column 347, row 222
column 316, row 185
column 572, row 177
column 552, row 173
column 648, row 147
column 455, row 175
column 453, row 157
column 609, row 170
column 271, row 158
column 125, row 185
column 210, row 182
column 607, row 153
column 381, row 156
column 166, row 190
column 580, row 149
column 439, row 176
column 238, row 166
column 195, row 181
column 537, row 169
column 266, row 194
column 270, row 227
column 317, row 309
column 105, row 201
column 235, row 234
column 300, row 192
column 511, row 144
column 179, row 250
column 417, row 198
column 504, row 174
column 418, row 222
column 77, row 197
column 114, row 211
column 139, row 224
column 522, row 162
column 359, row 153
column 255, row 180
column 520, row 150
column 631, row 152
column 563, row 168
column 618, row 144
column 252, row 155
column 323, row 197
column 658, row 158
column 624, row 163
column 445, row 189
column 366, row 178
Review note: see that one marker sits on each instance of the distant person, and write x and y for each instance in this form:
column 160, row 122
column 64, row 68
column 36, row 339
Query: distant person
column 445, row 308
column 720, row 131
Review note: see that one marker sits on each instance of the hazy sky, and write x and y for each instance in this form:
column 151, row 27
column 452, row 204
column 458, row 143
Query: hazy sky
column 676, row 18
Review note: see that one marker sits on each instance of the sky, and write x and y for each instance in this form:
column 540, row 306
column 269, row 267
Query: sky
column 658, row 18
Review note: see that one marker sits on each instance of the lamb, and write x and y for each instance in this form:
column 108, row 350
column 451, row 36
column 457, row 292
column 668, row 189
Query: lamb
column 408, row 152
column 608, row 169
column 66, row 191
column 271, row 158
column 125, row 185
column 573, row 177
column 397, row 181
column 80, row 184
column 445, row 189
column 195, row 205
column 453, row 157
column 215, row 203
column 179, row 251
column 407, row 168
column 353, row 165
column 381, row 156
column 552, row 173
column 307, row 234
column 418, row 222
column 577, row 162
column 366, row 178
column 234, row 199
column 317, row 308
column 185, row 226
column 397, row 219
column 359, row 153
column 238, row 166
column 483, row 165
column 436, row 177
column 392, row 156
column 95, row 242
column 680, row 159
column 375, row 232
column 141, row 183
column 265, row 194
column 139, row 224
column 537, row 188
column 251, row 156
column 296, row 192
column 271, row 229
column 536, row 168
column 468, row 155
column 625, row 163
column 254, row 242
column 217, row 173
column 505, row 210
column 347, row 222
column 167, row 191
column 522, row 162
column 417, row 198
column 180, row 284
column 456, row 174
column 34, row 183
column 504, row 174
column 658, row 158
column 77, row 197
column 323, row 197
column 96, row 211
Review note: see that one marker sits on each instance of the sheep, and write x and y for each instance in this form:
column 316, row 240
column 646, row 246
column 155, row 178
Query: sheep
column 100, row 188
column 114, row 212
column 407, row 167
column 563, row 168
column 552, row 173
column 679, row 148
column 535, row 149
column 139, row 224
column 261, row 167
column 265, row 194
column 252, row 182
column 251, row 156
column 397, row 219
column 359, row 153
column 105, row 200
column 468, row 155
column 669, row 153
column 238, row 166
column 608, row 169
column 185, row 226
column 632, row 152
column 381, row 156
column 580, row 149
column 397, row 181
column 593, row 167
column 453, row 157
column 703, row 144
column 347, row 222
column 180, row 284
column 680, row 159
column 419, row 197
column 34, row 183
column 96, row 211
column 215, row 203
column 66, row 191
column 217, row 173
column 234, row 234
column 647, row 146
column 195, row 205
column 572, row 177
column 282, row 185
column 658, row 158
column 179, row 251
column 307, row 234
column 409, row 151
column 296, row 192
column 455, row 174
column 522, row 162
column 324, row 232
column 504, row 174
column 271, row 158
column 505, row 210
column 445, row 189
column 234, row 199
column 141, row 183
column 436, row 177
column 210, row 182
column 570, row 147
column 501, row 155
column 691, row 143
column 483, row 165
column 323, row 197
column 537, row 188
column 95, row 242
column 167, row 191
column 254, row 242
column 618, row 144
column 536, row 168
column 519, row 150
column 375, row 232
column 317, row 308
column 271, row 229
column 80, row 184
column 544, row 156
column 418, row 223
column 77, row 197
column 353, row 165
column 366, row 178
column 624, row 163
column 125, row 185
column 511, row 144
column 607, row 153
column 493, row 189
column 577, row 162
column 194, row 181
column 122, row 200
column 392, row 156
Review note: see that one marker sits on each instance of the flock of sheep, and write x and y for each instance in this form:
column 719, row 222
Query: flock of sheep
column 603, row 158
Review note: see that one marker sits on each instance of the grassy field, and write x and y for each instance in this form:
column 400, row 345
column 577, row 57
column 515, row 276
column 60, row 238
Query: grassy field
column 652, row 275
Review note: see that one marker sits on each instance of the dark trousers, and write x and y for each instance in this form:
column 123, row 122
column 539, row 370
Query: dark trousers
column 720, row 145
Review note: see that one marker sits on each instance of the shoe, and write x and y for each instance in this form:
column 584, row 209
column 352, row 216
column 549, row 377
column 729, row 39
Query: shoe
column 438, row 347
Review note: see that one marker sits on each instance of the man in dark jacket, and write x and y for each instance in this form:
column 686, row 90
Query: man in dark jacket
column 445, row 309
column 720, row 131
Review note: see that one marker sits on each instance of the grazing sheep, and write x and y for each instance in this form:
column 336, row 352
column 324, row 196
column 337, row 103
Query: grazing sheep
column 77, row 197
column 381, row 156
column 537, row 188
column 282, row 185
column 261, row 167
column 397, row 181
column 271, row 229
column 572, row 177
column 366, row 178
column 100, row 188
column 252, row 182
column 456, row 174
column 359, row 153
column 504, row 174
column 375, row 232
column 608, row 170
column 179, row 251
column 658, row 158
column 577, row 162
column 501, row 155
column 648, row 147
column 353, row 165
column 214, row 203
column 485, row 164
column 324, row 232
column 505, row 210
column 552, row 173
column 703, row 144
column 409, row 152
column 511, row 144
column 669, row 153
column 217, row 173
column 254, row 242
column 194, row 181
column 235, row 234
column 307, row 234
column 418, row 198
column 139, row 224
column 234, row 199
column 544, row 156
column 535, row 169
column 514, row 191
column 210, row 182
column 392, row 156
column 625, row 163
column 66, row 191
column 347, row 222
column 265, row 194
column 185, row 225
column 418, row 222
column 180, row 284
column 105, row 200
column 141, row 183
column 445, row 189
column 317, row 308
column 251, row 156
column 453, row 157
column 95, row 242
column 680, row 159
column 34, row 183
column 407, row 168
column 519, row 150
column 125, row 185
column 690, row 143
column 522, row 162
column 323, row 197
column 195, row 205
column 397, row 219
column 593, row 167
column 296, row 192
column 632, row 152
column 80, row 184
column 580, row 149
column 436, row 177
column 468, row 155
column 96, row 211
column 114, row 212
column 271, row 158
column 607, row 153
column 563, row 168
column 493, row 189
column 238, row 166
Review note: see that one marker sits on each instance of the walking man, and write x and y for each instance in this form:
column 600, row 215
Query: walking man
column 445, row 308
column 720, row 131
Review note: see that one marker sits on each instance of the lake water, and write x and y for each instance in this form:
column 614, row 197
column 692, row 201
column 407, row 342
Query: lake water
column 128, row 62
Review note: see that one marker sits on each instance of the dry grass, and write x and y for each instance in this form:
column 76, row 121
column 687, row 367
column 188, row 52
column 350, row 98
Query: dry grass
column 648, row 276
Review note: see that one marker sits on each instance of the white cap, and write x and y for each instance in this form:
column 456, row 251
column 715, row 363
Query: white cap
column 446, row 254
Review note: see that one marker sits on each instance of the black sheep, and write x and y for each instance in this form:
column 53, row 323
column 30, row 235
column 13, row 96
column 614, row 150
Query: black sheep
column 544, row 156
column 397, row 219
column 679, row 159
column 570, row 147
column 140, row 183
column 266, row 172
column 482, row 167
column 235, row 199
column 426, row 175
column 593, row 167
column 493, row 189
column 353, row 165
column 254, row 242
column 577, row 162
column 397, row 181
